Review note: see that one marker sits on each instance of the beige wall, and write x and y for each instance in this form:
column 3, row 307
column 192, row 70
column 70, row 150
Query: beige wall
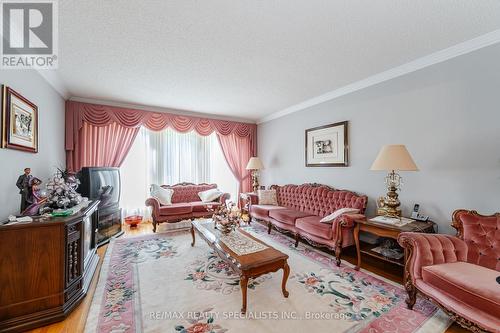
column 51, row 137
column 448, row 115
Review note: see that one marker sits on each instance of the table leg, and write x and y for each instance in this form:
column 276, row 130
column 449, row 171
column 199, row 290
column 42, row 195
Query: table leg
column 286, row 272
column 356, row 241
column 192, row 235
column 244, row 285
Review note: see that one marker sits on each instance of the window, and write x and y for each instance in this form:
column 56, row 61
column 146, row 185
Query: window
column 170, row 157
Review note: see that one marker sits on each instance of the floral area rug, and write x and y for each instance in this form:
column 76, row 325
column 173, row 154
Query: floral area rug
column 159, row 283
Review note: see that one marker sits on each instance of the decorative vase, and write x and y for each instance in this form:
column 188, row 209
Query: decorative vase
column 133, row 220
column 226, row 227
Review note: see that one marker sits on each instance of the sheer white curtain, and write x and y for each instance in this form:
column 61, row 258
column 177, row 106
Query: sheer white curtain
column 170, row 157
column 173, row 157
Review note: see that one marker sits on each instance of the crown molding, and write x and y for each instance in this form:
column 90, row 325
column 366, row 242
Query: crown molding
column 159, row 109
column 412, row 66
column 53, row 79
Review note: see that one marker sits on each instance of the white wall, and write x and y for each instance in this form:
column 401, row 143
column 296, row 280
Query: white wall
column 448, row 115
column 51, row 137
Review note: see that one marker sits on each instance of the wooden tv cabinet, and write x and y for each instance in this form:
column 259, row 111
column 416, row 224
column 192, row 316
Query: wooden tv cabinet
column 46, row 267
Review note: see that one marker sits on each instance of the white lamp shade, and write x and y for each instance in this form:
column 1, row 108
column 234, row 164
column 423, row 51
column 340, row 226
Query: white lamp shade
column 394, row 157
column 255, row 164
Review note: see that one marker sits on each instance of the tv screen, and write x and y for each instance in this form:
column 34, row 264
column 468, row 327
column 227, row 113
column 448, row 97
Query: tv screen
column 100, row 184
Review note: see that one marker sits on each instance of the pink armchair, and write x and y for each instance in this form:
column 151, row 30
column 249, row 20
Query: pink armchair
column 186, row 204
column 458, row 273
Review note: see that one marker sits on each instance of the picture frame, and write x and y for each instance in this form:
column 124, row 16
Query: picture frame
column 19, row 128
column 327, row 146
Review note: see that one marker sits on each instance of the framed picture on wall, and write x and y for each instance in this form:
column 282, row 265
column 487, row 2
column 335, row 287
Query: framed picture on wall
column 19, row 122
column 327, row 146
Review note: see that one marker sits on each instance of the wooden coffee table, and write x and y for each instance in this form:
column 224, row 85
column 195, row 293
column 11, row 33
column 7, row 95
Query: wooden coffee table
column 247, row 266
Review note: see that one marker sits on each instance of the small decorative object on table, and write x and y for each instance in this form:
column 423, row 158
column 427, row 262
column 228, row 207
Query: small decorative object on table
column 23, row 184
column 133, row 220
column 62, row 190
column 226, row 217
column 37, row 198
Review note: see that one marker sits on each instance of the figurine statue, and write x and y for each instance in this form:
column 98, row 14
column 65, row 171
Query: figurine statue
column 36, row 198
column 381, row 207
column 23, row 184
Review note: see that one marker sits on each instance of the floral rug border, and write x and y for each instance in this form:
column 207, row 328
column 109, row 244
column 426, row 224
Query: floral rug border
column 423, row 313
column 426, row 310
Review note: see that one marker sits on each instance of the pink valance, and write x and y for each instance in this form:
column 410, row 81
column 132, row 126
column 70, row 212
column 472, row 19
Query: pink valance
column 78, row 113
column 102, row 115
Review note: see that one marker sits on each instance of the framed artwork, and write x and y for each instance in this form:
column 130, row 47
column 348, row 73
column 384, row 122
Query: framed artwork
column 327, row 145
column 19, row 122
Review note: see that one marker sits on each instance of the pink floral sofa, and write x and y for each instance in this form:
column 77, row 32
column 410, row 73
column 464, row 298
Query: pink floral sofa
column 186, row 204
column 301, row 207
column 458, row 273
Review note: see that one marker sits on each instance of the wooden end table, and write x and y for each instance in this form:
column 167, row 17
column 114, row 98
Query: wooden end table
column 249, row 265
column 388, row 231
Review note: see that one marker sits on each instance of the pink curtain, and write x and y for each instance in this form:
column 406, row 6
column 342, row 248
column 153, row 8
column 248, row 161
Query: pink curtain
column 237, row 151
column 102, row 134
column 104, row 146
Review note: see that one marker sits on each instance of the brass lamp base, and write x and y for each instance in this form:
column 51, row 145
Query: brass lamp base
column 383, row 211
column 389, row 205
column 255, row 180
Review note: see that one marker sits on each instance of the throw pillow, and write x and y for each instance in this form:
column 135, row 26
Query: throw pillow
column 267, row 197
column 337, row 213
column 210, row 195
column 164, row 195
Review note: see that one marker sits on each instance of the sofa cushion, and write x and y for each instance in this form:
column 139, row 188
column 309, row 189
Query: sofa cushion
column 199, row 206
column 163, row 195
column 287, row 216
column 210, row 195
column 263, row 210
column 469, row 283
column 176, row 209
column 329, row 218
column 267, row 197
column 313, row 226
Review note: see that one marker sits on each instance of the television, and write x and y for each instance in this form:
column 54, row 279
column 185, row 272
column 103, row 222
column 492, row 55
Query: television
column 103, row 184
column 100, row 184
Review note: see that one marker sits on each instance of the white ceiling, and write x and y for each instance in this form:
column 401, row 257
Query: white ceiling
column 251, row 58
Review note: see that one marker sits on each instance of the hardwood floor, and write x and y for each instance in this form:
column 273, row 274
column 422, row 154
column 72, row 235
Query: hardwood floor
column 76, row 320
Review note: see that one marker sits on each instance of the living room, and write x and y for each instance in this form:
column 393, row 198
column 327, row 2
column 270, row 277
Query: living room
column 250, row 166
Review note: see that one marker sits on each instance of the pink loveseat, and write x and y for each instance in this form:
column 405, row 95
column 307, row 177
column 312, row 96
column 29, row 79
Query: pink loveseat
column 301, row 207
column 458, row 273
column 186, row 204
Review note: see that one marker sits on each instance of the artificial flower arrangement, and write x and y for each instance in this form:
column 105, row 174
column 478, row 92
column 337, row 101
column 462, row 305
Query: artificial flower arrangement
column 61, row 190
column 226, row 217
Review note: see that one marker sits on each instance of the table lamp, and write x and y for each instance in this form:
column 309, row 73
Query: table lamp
column 255, row 165
column 393, row 158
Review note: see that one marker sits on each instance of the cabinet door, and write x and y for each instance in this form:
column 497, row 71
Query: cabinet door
column 74, row 252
